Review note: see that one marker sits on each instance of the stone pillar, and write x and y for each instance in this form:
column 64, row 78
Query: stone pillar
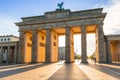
column 69, row 51
column 108, row 53
column 83, row 45
column 119, row 52
column 34, row 46
column 1, row 54
column 117, row 46
column 21, row 50
column 54, row 49
column 41, row 46
column 101, row 58
column 48, row 46
column 15, row 54
column 113, row 50
column 67, row 46
column 8, row 54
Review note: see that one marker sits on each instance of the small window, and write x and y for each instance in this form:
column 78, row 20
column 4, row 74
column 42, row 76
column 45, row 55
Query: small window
column 42, row 37
column 42, row 44
column 54, row 43
column 29, row 45
column 55, row 37
column 8, row 39
column 30, row 38
column 1, row 39
column 4, row 39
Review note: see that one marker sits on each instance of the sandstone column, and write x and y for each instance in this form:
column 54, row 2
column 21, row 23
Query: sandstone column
column 41, row 46
column 83, row 44
column 119, row 52
column 21, row 51
column 101, row 45
column 8, row 54
column 108, row 54
column 15, row 53
column 1, row 54
column 117, row 46
column 34, row 46
column 48, row 46
column 69, row 51
column 54, row 49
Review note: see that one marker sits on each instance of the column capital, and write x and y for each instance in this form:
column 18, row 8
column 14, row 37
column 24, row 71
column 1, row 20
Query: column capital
column 48, row 29
column 83, row 27
column 100, row 27
column 100, row 24
column 34, row 31
column 108, row 41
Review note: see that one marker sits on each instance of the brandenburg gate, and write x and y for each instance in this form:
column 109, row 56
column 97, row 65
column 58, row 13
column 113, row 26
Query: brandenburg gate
column 39, row 35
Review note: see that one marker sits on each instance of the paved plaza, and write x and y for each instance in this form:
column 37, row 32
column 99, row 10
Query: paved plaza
column 60, row 71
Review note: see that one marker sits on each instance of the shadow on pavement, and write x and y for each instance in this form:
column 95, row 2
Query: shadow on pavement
column 69, row 71
column 12, row 66
column 115, row 64
column 20, row 70
column 108, row 70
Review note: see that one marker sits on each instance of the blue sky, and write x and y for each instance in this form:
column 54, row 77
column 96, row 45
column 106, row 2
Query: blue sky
column 20, row 8
column 11, row 11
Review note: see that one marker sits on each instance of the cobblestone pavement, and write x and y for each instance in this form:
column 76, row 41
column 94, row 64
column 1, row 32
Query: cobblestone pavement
column 60, row 71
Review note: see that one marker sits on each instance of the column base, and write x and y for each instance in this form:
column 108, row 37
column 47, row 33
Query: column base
column 69, row 61
column 84, row 62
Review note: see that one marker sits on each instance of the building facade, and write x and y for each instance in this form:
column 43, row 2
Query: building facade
column 113, row 48
column 8, row 49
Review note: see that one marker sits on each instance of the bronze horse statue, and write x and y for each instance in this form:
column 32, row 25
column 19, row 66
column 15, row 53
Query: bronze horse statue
column 60, row 6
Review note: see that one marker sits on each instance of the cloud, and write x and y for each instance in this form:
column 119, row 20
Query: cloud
column 7, row 26
column 112, row 20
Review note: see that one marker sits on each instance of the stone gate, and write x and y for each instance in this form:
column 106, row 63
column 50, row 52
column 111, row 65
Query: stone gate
column 39, row 35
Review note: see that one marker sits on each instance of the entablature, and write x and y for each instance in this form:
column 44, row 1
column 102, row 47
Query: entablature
column 63, row 16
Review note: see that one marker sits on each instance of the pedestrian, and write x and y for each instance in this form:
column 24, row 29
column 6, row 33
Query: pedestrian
column 95, row 60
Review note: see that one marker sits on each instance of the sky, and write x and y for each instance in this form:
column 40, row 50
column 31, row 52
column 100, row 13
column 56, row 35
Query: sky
column 11, row 12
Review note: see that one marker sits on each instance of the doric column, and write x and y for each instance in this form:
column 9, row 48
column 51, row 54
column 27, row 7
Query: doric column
column 15, row 54
column 119, row 51
column 83, row 45
column 1, row 54
column 67, row 46
column 69, row 51
column 48, row 45
column 51, row 46
column 117, row 45
column 8, row 54
column 21, row 51
column 108, row 53
column 101, row 44
column 34, row 46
